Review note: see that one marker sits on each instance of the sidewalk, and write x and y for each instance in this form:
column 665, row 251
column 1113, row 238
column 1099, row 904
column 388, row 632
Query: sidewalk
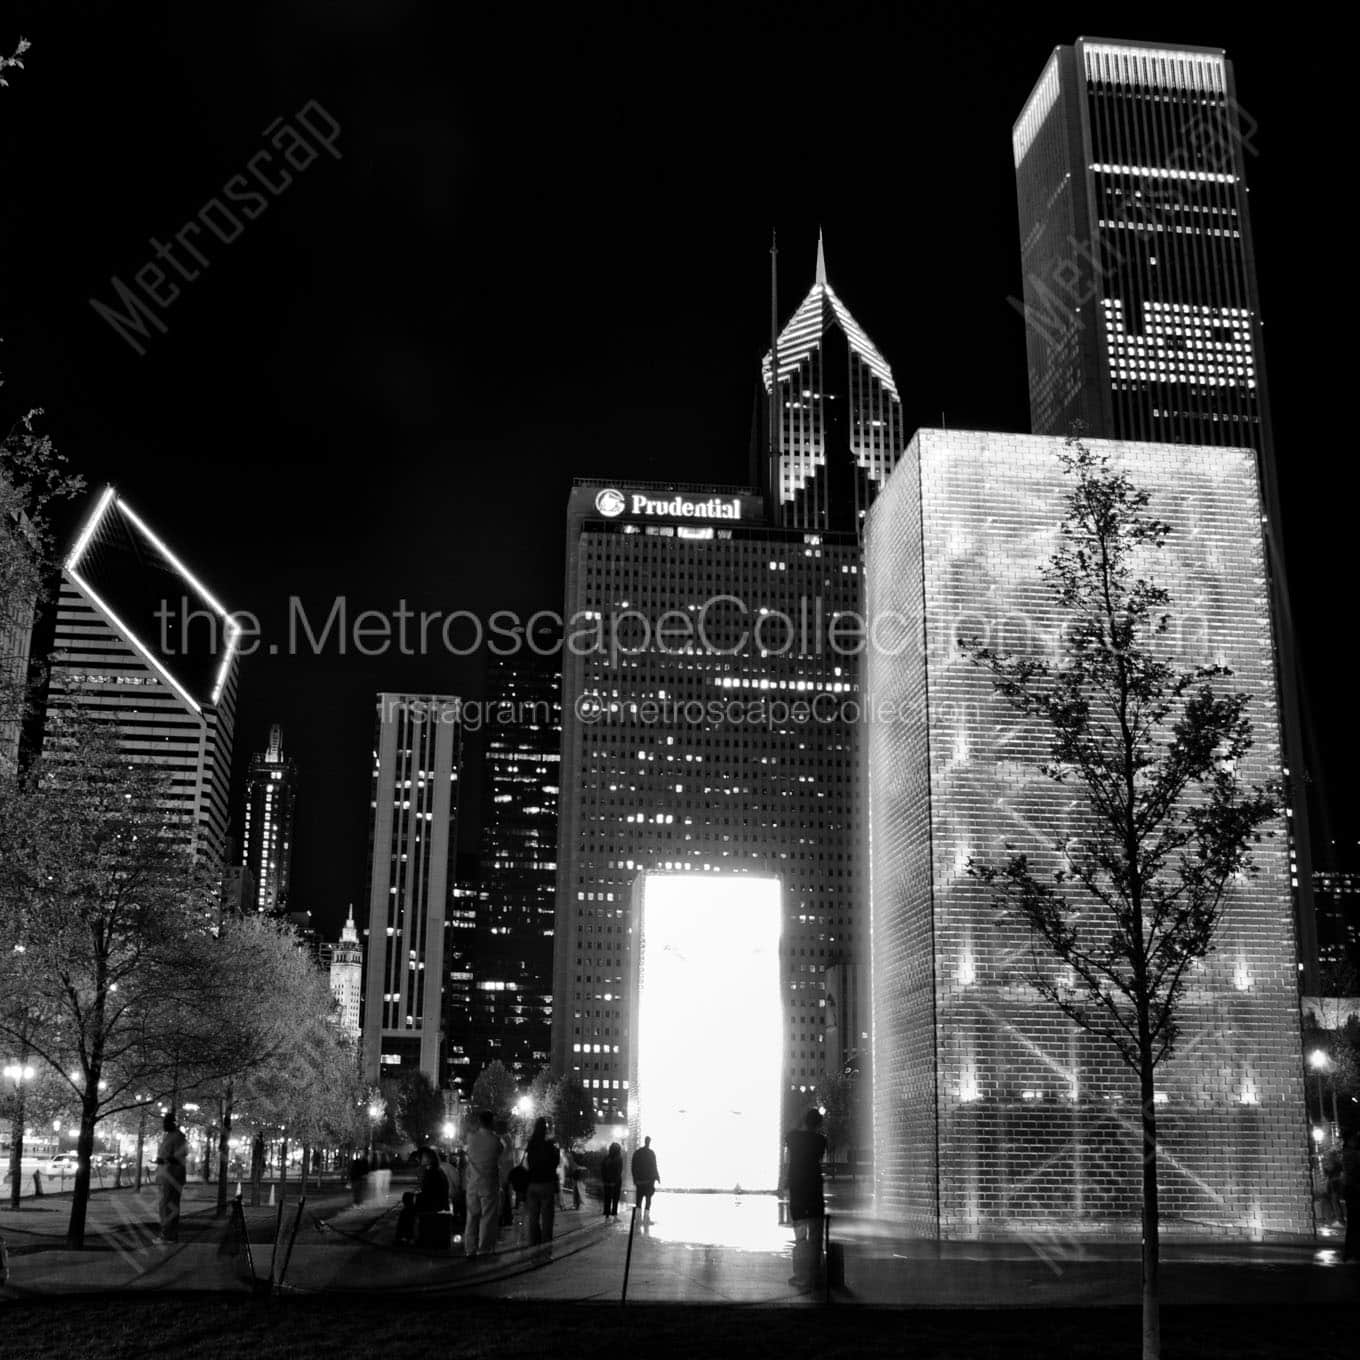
column 341, row 1247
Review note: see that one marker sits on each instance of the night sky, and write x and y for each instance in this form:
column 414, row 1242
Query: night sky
column 542, row 254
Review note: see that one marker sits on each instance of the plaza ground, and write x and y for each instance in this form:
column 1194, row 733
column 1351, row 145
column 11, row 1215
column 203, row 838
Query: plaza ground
column 708, row 1276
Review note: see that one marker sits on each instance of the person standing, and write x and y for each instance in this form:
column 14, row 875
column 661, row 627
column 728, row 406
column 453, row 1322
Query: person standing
column 645, row 1177
column 805, row 1148
column 484, row 1152
column 256, row 1169
column 1350, row 1189
column 541, row 1157
column 611, row 1177
column 172, row 1156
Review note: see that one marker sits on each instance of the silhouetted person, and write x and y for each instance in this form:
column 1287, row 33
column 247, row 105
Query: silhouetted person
column 541, row 1160
column 611, row 1177
column 1350, row 1189
column 172, row 1156
column 484, row 1153
column 806, row 1147
column 645, row 1177
column 256, row 1168
column 431, row 1198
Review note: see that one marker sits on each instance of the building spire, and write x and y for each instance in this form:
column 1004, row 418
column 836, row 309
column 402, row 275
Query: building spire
column 821, row 259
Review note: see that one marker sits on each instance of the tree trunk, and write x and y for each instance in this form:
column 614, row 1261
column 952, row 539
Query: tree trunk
column 141, row 1144
column 223, row 1150
column 80, row 1196
column 1152, row 1321
column 16, row 1141
column 283, row 1168
column 306, row 1164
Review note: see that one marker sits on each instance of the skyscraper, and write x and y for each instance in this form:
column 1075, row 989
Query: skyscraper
column 992, row 1112
column 142, row 644
column 1142, row 313
column 512, row 951
column 839, row 416
column 416, row 752
column 271, row 793
column 344, row 962
column 707, row 729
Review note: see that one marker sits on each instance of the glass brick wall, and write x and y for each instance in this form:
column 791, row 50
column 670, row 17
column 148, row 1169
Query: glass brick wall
column 993, row 1114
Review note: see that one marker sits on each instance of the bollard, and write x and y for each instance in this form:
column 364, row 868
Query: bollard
column 628, row 1259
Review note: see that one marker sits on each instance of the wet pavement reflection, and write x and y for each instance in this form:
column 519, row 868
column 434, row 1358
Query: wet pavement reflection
column 742, row 1222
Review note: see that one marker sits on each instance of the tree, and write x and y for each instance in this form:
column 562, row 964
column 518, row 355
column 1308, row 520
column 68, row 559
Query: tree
column 837, row 1096
column 495, row 1090
column 307, row 1088
column 420, row 1108
column 1162, row 824
column 107, row 906
column 573, row 1112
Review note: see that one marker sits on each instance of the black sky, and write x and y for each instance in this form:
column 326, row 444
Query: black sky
column 544, row 254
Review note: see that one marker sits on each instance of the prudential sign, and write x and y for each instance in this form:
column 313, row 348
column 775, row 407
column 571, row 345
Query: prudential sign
column 612, row 503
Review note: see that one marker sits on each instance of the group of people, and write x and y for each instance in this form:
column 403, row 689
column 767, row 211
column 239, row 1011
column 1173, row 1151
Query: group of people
column 487, row 1182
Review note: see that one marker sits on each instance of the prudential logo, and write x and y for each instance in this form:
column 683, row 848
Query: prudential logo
column 610, row 503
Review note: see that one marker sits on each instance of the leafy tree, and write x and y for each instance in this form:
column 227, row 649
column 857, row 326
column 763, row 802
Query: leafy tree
column 1149, row 749
column 306, row 1087
column 837, row 1095
column 573, row 1111
column 109, row 905
column 495, row 1090
column 420, row 1108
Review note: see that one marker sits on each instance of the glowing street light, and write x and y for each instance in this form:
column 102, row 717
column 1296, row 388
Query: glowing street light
column 18, row 1073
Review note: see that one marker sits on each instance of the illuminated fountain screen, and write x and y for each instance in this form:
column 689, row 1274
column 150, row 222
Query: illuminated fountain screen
column 708, row 1037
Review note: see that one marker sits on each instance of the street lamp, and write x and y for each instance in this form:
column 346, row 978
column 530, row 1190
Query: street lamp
column 18, row 1073
column 375, row 1113
column 1320, row 1063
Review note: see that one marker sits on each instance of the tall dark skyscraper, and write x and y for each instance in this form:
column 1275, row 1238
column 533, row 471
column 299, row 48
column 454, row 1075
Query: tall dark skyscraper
column 511, row 955
column 840, row 417
column 1142, row 314
column 271, row 794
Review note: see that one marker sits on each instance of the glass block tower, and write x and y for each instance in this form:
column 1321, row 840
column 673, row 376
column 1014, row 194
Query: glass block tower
column 992, row 1113
column 704, row 731
column 1142, row 313
column 142, row 644
column 839, row 415
column 271, row 798
column 412, row 842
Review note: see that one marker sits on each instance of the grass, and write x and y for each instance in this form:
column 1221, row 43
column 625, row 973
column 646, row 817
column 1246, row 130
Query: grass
column 324, row 1328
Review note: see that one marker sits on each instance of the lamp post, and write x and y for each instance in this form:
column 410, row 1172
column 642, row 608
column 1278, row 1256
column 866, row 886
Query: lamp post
column 375, row 1113
column 1320, row 1063
column 18, row 1073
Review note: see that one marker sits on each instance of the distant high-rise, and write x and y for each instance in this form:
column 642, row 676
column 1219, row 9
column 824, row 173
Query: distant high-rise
column 416, row 752
column 144, row 646
column 512, row 952
column 344, row 961
column 271, row 794
column 840, row 426
column 1142, row 312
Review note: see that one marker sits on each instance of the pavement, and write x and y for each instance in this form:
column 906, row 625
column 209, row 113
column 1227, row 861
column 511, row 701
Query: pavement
column 696, row 1249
